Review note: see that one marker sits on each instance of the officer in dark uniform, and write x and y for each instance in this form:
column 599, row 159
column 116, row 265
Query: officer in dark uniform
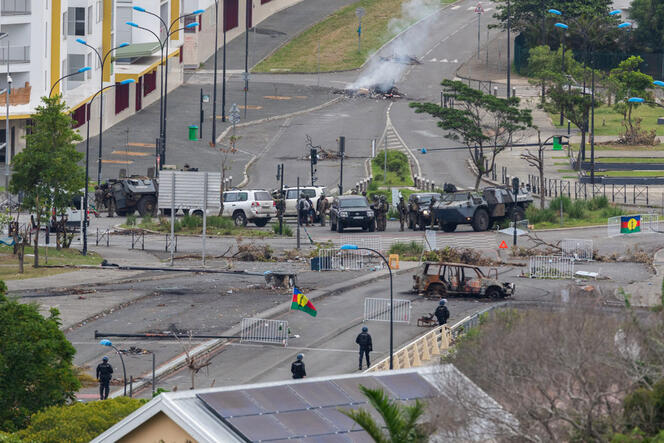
column 402, row 209
column 297, row 368
column 442, row 313
column 366, row 346
column 104, row 375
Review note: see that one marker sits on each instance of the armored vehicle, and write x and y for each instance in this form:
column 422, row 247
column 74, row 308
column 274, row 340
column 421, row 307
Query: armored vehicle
column 419, row 209
column 480, row 210
column 134, row 193
column 448, row 279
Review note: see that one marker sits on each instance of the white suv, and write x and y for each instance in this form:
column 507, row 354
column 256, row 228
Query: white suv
column 313, row 192
column 254, row 206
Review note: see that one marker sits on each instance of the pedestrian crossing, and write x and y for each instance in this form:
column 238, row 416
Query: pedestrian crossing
column 391, row 140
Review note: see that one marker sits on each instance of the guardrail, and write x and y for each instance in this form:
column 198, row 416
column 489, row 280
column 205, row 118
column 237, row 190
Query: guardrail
column 431, row 345
column 17, row 54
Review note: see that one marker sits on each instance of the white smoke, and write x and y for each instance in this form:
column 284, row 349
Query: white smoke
column 385, row 73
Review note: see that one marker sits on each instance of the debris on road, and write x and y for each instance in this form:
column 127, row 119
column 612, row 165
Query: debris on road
column 402, row 59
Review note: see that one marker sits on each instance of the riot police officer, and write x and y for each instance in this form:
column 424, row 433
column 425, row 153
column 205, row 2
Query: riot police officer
column 297, row 368
column 364, row 341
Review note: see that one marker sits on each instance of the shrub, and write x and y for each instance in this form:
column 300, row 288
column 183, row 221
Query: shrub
column 612, row 211
column 147, row 220
column 406, row 249
column 79, row 422
column 288, row 232
column 555, row 204
column 131, row 220
column 535, row 215
column 215, row 221
column 600, row 202
column 577, row 209
column 188, row 222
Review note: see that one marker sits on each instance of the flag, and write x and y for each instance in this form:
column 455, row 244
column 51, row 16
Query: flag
column 302, row 303
column 630, row 224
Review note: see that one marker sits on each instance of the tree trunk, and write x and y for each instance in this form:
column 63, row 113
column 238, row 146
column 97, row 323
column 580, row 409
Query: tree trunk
column 582, row 148
column 478, row 180
column 36, row 245
column 541, row 179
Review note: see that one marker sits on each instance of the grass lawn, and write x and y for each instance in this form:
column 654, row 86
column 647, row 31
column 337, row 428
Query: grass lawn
column 193, row 225
column 629, row 160
column 337, row 37
column 398, row 169
column 565, row 171
column 602, row 147
column 631, row 173
column 575, row 213
column 609, row 122
column 9, row 262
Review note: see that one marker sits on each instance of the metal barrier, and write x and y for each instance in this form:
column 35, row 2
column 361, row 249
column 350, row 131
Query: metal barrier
column 366, row 241
column 378, row 309
column 649, row 224
column 137, row 237
column 550, row 266
column 100, row 237
column 432, row 344
column 340, row 260
column 577, row 249
column 430, row 240
column 259, row 330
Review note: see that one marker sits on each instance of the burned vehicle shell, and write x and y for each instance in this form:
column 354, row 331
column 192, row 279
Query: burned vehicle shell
column 449, row 279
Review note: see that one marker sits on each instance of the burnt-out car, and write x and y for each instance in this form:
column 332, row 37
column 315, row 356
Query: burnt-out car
column 449, row 279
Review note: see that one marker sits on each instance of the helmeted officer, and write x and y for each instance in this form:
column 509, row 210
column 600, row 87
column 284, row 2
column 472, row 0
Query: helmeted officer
column 402, row 209
column 442, row 313
column 297, row 367
column 366, row 346
column 104, row 375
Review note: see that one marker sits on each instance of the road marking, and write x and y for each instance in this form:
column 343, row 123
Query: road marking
column 433, row 60
column 118, row 162
column 301, row 96
column 454, row 8
column 444, row 60
column 141, row 145
column 255, row 107
column 276, row 97
column 471, row 8
column 292, row 348
column 131, row 153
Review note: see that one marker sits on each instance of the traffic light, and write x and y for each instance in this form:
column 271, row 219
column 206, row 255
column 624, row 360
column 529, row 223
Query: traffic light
column 515, row 185
column 314, row 156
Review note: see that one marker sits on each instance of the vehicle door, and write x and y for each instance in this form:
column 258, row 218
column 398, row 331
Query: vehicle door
column 291, row 202
column 473, row 280
column 334, row 210
column 230, row 203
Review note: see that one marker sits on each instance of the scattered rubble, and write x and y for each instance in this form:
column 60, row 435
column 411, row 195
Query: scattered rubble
column 375, row 91
column 402, row 59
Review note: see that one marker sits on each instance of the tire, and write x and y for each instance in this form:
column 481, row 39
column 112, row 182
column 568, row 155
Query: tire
column 436, row 290
column 420, row 223
column 123, row 213
column 340, row 227
column 333, row 226
column 372, row 226
column 519, row 212
column 449, row 227
column 412, row 222
column 240, row 219
column 167, row 212
column 494, row 293
column 197, row 213
column 261, row 222
column 480, row 220
column 147, row 205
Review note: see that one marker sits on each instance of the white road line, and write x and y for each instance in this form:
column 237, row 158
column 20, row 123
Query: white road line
column 294, row 348
column 454, row 8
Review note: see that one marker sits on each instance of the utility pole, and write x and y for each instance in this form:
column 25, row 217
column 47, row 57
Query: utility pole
column 313, row 157
column 342, row 151
column 509, row 43
column 298, row 213
column 282, row 197
column 247, row 26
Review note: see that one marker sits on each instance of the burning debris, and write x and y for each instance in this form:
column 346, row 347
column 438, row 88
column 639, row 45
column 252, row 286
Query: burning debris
column 375, row 91
column 403, row 59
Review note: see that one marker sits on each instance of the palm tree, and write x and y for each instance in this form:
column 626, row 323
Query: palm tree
column 400, row 420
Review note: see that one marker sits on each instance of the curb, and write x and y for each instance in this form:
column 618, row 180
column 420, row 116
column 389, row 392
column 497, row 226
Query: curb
column 211, row 345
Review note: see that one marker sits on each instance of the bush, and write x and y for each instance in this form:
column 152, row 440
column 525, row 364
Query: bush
column 612, row 211
column 189, row 222
column 147, row 220
column 131, row 220
column 406, row 249
column 217, row 222
column 555, row 204
column 288, row 232
column 577, row 209
column 79, row 422
column 600, row 202
column 535, row 215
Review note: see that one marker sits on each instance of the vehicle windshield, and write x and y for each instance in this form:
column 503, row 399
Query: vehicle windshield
column 426, row 198
column 455, row 197
column 352, row 203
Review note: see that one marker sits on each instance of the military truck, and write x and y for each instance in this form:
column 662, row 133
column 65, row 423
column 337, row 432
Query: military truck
column 133, row 193
column 480, row 210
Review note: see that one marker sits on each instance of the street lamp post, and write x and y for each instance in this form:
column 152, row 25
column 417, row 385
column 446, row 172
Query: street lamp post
column 124, row 370
column 80, row 71
column 87, row 161
column 356, row 248
column 214, row 92
column 564, row 28
column 102, row 61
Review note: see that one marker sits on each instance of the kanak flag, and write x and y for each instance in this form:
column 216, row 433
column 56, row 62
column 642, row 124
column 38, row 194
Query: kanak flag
column 630, row 224
column 302, row 303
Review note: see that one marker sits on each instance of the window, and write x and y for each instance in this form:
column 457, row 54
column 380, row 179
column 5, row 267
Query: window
column 149, row 82
column 89, row 19
column 230, row 197
column 231, row 11
column 79, row 116
column 100, row 11
column 187, row 21
column 64, row 25
column 88, row 74
column 292, row 194
column 76, row 21
column 262, row 196
column 75, row 62
column 121, row 97
column 242, row 196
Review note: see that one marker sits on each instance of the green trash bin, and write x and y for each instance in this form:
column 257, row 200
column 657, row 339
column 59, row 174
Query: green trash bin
column 557, row 145
column 193, row 132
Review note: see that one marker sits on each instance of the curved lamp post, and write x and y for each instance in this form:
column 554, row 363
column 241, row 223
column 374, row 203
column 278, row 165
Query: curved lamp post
column 589, row 49
column 124, row 370
column 102, row 61
column 356, row 248
column 80, row 71
column 169, row 32
column 87, row 163
column 564, row 28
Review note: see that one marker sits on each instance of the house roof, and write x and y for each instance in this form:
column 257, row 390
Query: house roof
column 306, row 410
column 136, row 50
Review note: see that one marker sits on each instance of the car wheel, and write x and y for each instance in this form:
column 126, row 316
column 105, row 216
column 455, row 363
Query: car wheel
column 197, row 213
column 519, row 213
column 240, row 219
column 261, row 222
column 333, row 225
column 480, row 220
column 372, row 226
column 147, row 205
column 494, row 293
column 436, row 290
column 340, row 227
column 449, row 227
column 411, row 222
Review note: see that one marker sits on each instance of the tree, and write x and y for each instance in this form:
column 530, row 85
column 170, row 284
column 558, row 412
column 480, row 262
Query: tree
column 35, row 362
column 47, row 170
column 79, row 422
column 628, row 81
column 536, row 160
column 483, row 123
column 649, row 17
column 400, row 420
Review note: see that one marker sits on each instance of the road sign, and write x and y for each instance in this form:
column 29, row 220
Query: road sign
column 235, row 114
column 479, row 9
column 245, row 76
column 503, row 245
column 359, row 12
column 206, row 99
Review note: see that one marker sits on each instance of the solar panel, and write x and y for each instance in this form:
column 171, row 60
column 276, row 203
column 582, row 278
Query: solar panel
column 305, row 423
column 407, row 386
column 319, row 394
column 231, row 403
column 276, row 398
column 351, row 387
column 339, row 420
column 260, row 427
column 353, row 437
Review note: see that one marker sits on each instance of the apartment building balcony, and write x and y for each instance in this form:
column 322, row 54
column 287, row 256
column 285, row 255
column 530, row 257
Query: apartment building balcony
column 17, row 54
column 15, row 7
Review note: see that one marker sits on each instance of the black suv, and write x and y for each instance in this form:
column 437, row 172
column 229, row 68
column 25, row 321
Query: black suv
column 351, row 211
column 419, row 212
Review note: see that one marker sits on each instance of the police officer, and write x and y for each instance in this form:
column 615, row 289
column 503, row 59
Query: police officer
column 297, row 368
column 382, row 213
column 323, row 206
column 433, row 219
column 402, row 209
column 442, row 313
column 364, row 341
column 104, row 375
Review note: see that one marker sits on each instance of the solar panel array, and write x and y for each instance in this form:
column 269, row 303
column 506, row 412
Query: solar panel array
column 309, row 411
